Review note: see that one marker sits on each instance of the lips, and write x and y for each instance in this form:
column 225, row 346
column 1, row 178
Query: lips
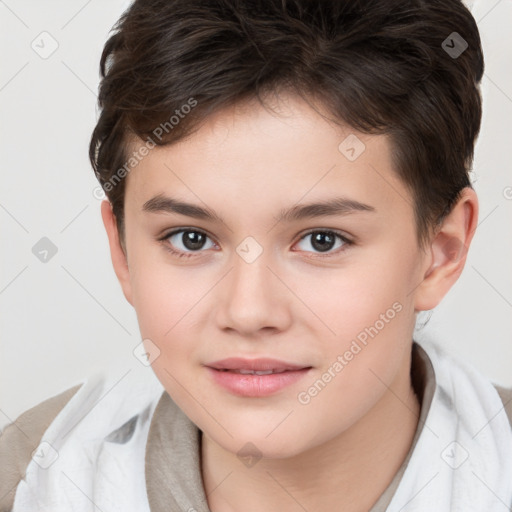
column 255, row 377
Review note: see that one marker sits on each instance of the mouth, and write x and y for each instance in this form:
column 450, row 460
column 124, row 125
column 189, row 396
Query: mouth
column 263, row 366
column 255, row 377
column 252, row 372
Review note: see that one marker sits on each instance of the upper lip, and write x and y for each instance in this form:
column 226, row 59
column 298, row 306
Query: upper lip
column 260, row 364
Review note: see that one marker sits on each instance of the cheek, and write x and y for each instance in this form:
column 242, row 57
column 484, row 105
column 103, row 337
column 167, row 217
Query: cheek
column 371, row 346
column 164, row 304
column 369, row 312
column 170, row 304
column 362, row 295
column 164, row 294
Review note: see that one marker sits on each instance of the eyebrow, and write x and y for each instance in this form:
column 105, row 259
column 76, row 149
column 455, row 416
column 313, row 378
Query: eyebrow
column 330, row 207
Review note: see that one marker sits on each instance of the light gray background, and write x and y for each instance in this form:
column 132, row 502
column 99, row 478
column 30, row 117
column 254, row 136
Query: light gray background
column 66, row 318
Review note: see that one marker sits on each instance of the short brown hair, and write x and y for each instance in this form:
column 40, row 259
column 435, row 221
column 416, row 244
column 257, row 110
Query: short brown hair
column 379, row 66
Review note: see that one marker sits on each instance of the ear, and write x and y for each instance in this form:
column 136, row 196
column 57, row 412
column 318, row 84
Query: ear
column 447, row 252
column 119, row 258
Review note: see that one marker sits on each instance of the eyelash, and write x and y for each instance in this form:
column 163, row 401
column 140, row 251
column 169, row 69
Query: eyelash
column 180, row 254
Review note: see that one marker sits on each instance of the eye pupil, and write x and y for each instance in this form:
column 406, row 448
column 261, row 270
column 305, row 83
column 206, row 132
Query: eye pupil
column 323, row 241
column 193, row 240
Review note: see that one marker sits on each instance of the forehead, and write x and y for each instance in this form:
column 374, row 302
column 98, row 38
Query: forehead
column 246, row 156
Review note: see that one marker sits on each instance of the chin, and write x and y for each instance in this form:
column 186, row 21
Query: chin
column 255, row 442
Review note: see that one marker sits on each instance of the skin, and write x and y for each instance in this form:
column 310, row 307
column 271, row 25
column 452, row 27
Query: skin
column 292, row 303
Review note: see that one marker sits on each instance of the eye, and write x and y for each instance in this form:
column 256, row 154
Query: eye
column 324, row 241
column 186, row 242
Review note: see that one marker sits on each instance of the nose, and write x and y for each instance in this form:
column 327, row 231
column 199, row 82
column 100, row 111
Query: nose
column 253, row 298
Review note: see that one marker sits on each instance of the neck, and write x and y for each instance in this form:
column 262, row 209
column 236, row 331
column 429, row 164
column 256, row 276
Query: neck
column 351, row 471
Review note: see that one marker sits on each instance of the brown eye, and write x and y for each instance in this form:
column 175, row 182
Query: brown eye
column 324, row 241
column 187, row 241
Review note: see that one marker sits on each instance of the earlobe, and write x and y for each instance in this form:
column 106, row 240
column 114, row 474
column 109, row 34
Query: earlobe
column 448, row 251
column 118, row 256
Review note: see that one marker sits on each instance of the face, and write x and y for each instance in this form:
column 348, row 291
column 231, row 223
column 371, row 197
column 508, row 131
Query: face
column 322, row 297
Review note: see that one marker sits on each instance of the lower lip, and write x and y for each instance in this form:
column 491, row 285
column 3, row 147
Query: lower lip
column 256, row 385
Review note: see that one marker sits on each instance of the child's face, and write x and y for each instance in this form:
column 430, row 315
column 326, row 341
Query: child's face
column 293, row 302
